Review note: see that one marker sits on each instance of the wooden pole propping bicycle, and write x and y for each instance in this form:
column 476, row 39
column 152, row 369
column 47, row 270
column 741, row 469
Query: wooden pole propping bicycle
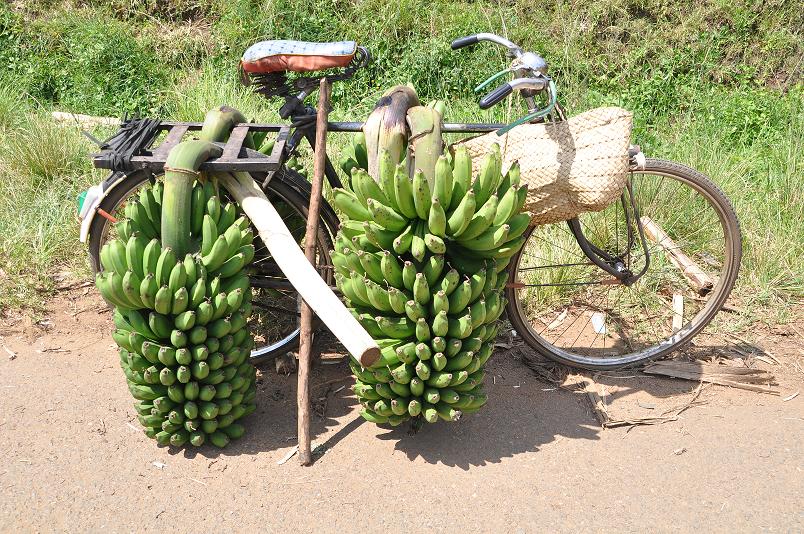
column 306, row 327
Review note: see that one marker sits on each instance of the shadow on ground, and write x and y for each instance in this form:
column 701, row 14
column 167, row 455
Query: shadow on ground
column 532, row 403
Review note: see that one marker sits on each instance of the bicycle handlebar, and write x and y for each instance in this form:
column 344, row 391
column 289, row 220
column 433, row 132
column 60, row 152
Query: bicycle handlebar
column 495, row 96
column 460, row 42
column 469, row 40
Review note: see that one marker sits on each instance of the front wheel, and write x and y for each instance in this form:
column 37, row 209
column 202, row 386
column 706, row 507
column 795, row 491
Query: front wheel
column 573, row 312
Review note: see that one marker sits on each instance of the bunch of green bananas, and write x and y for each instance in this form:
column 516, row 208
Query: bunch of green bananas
column 421, row 265
column 181, row 322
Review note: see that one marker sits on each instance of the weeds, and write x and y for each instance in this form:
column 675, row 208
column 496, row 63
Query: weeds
column 715, row 85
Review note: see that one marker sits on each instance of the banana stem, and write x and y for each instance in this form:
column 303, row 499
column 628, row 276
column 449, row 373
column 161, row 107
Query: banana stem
column 386, row 127
column 181, row 168
column 425, row 140
column 218, row 124
column 289, row 257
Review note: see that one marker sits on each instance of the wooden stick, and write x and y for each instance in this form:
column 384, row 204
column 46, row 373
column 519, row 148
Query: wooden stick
column 306, row 334
column 701, row 281
column 85, row 120
column 678, row 312
column 736, row 377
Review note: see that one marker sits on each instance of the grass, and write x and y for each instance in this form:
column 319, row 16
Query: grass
column 43, row 167
column 715, row 85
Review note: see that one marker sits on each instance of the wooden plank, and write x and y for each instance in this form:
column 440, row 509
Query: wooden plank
column 232, row 148
column 306, row 334
column 678, row 312
column 701, row 281
column 736, row 377
column 279, row 145
column 173, row 138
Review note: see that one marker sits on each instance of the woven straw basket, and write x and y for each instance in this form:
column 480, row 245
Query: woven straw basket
column 570, row 167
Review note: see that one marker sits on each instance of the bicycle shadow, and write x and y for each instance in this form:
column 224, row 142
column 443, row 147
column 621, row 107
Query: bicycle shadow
column 533, row 403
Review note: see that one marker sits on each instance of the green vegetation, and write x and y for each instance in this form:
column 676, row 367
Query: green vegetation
column 716, row 85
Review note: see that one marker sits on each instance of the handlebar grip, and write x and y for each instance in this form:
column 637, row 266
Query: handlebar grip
column 461, row 42
column 496, row 96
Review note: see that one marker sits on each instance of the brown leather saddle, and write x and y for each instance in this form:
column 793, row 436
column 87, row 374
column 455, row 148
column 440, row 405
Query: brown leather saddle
column 297, row 56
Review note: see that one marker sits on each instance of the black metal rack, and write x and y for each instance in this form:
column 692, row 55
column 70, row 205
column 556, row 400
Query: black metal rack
column 234, row 157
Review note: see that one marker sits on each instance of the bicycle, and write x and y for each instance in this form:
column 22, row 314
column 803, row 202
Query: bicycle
column 561, row 282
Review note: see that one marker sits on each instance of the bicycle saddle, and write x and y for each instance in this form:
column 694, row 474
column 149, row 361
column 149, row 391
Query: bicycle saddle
column 297, row 56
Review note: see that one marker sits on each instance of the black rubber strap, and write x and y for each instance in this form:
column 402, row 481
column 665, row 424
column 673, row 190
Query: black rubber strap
column 131, row 139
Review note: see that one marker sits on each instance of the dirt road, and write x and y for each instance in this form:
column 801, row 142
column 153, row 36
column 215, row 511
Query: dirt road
column 535, row 459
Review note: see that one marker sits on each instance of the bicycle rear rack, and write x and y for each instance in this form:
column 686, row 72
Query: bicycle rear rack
column 235, row 157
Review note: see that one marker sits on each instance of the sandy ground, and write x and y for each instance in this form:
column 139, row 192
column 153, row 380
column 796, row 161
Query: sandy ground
column 535, row 459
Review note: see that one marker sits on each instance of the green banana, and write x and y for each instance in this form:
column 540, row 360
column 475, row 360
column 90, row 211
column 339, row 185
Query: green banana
column 421, row 195
column 461, row 297
column 369, row 189
column 449, row 282
column 481, row 220
column 403, row 190
column 423, row 330
column 461, row 174
column 197, row 206
column 418, row 247
column 131, row 289
column 228, row 216
column 421, row 289
column 348, row 203
column 440, row 303
column 486, row 183
column 461, row 327
column 386, row 216
column 150, row 257
column 461, row 216
column 492, row 238
column 391, row 270
column 178, row 277
column 432, row 269
column 437, row 219
column 371, row 265
column 164, row 266
column 377, row 296
column 397, row 299
column 378, row 236
column 505, row 206
column 217, row 255
column 404, row 240
column 135, row 249
column 400, row 328
column 387, row 170
column 209, row 234
column 442, row 187
column 423, row 351
column 434, row 244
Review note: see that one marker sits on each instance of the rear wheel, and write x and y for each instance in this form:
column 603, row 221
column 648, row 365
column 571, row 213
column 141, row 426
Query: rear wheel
column 573, row 312
column 274, row 321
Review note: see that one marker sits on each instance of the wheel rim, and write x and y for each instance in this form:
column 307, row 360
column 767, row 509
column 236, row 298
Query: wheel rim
column 279, row 330
column 576, row 325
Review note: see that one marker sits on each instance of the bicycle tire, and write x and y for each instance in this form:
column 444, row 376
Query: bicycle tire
column 732, row 252
column 288, row 184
